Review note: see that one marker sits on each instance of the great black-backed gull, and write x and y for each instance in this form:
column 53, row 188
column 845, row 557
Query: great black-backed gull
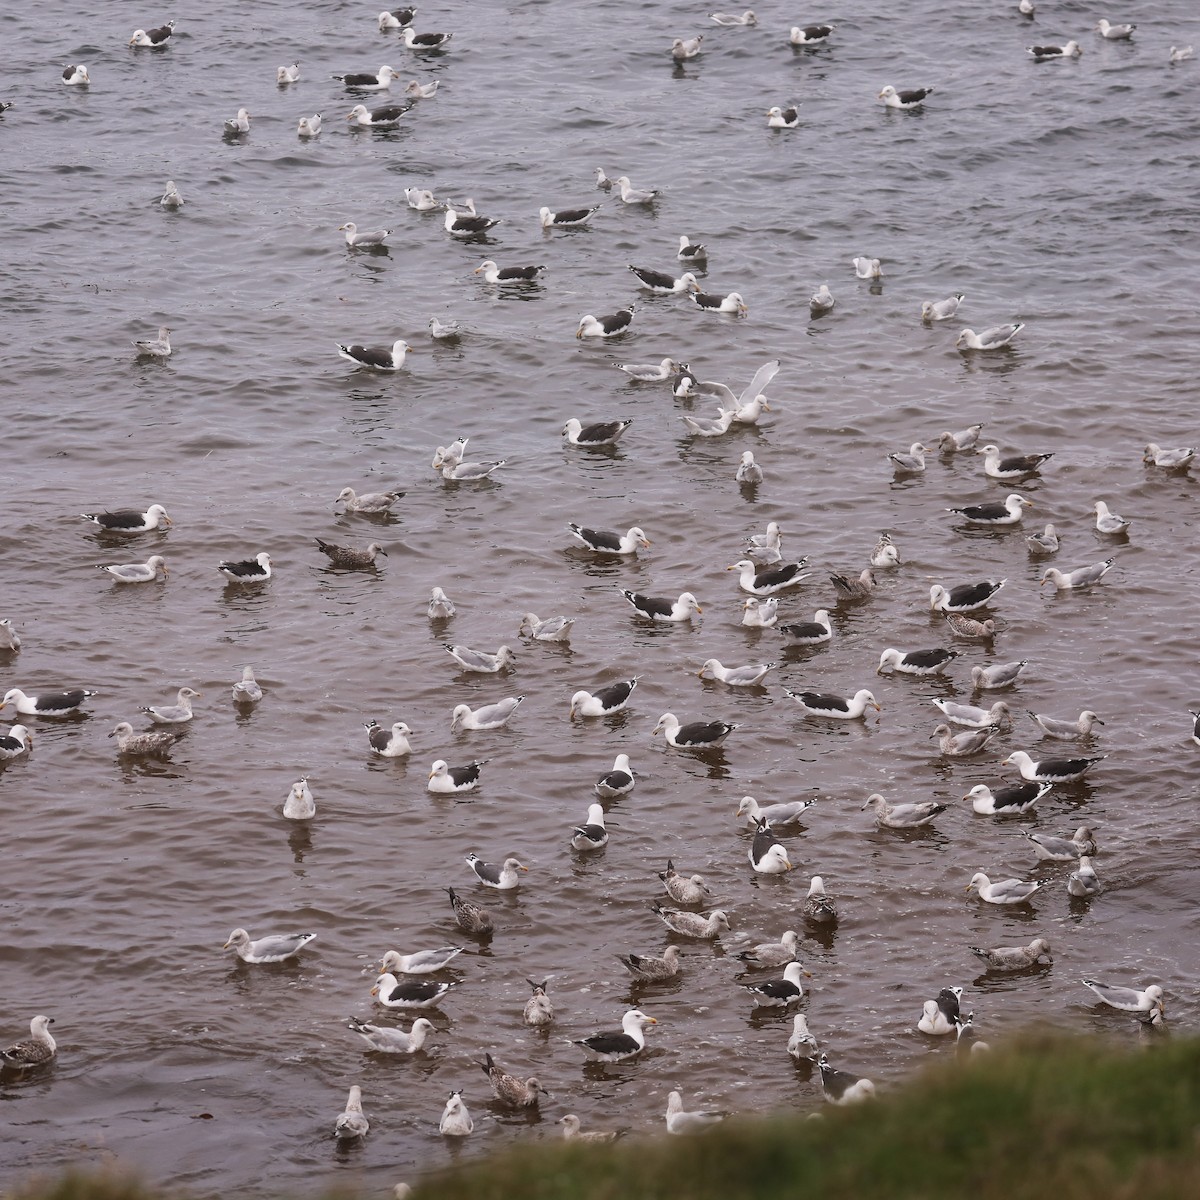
column 445, row 779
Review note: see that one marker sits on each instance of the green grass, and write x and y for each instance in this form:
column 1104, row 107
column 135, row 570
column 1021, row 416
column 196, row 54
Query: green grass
column 1045, row 1120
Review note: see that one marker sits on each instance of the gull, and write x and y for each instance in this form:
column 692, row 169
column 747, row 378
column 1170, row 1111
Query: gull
column 487, row 716
column 602, row 181
column 1026, row 8
column 853, row 589
column 997, row 675
column 162, row 35
column 552, row 629
column 665, row 284
column 352, row 1124
column 1114, row 33
column 766, row 546
column 747, row 18
column 1071, row 49
column 1180, row 54
column 964, row 439
column 376, row 118
column 286, row 75
column 270, row 949
column 441, row 607
column 355, row 237
column 470, row 471
column 973, row 717
column 591, row 835
column 368, row 502
column 503, row 878
column 508, row 1089
column 1128, row 999
column 681, row 888
column 966, row 597
column 603, row 542
column 767, row 855
column 171, row 197
column 777, row 814
column 632, row 195
column 606, row 326
column 617, row 782
column 422, row 962
column 1052, row 770
column 1012, row 467
column 938, row 1016
column 1067, row 731
column 809, row 35
column 1008, row 513
column 821, row 301
column 911, row 463
column 688, row 924
column 940, row 310
column 421, row 91
column 655, row 609
column 1081, row 577
column 470, row 917
column 683, row 49
column 802, row 1046
column 818, row 907
column 647, row 969
column 1177, row 459
column 809, row 633
column 566, row 218
column 616, row 1047
column 480, row 661
column 308, row 127
column 824, row 704
column 748, row 471
column 456, row 1120
column 966, row 627
column 146, row 572
column 1015, row 958
column 782, row 118
column 750, row 675
column 1049, row 848
column 604, row 701
column 236, row 126
column 444, row 779
column 396, row 19
column 760, row 614
column 1109, row 522
column 300, row 805
column 76, row 76
column 408, row 993
column 752, row 391
column 1019, row 798
column 421, row 199
column 841, row 1087
column 377, row 358
column 389, row 1040
column 710, row 426
column 690, row 251
column 916, row 662
column 444, row 331
column 1083, row 881
column 767, row 581
column 424, row 41
column 990, row 339
column 696, row 735
column 9, row 639
column 649, row 372
column 388, row 743
column 350, row 558
column 18, row 740
column 538, row 1011
column 46, row 704
column 34, row 1051
column 681, row 1122
column 963, row 743
column 908, row 98
column 465, row 221
column 1004, row 891
column 732, row 303
column 773, row 954
column 1045, row 542
column 573, row 1132
column 902, row 816
column 159, row 347
column 497, row 274
column 173, row 714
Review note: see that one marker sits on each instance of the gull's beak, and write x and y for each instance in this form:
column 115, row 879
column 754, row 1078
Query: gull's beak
column 877, row 707
column 699, row 609
column 226, row 946
column 652, row 1021
column 806, row 974
column 523, row 868
column 113, row 734
column 375, row 990
column 766, row 406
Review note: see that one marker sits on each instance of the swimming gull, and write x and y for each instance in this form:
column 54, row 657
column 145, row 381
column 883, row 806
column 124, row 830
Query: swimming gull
column 906, row 98
column 300, row 805
column 76, row 75
column 746, row 18
column 1083, row 881
column 1071, row 49
column 940, row 310
column 997, row 675
column 565, row 218
column 1015, row 958
column 600, row 433
column 1005, row 801
column 604, row 701
column 782, row 118
column 365, row 81
column 689, row 924
column 777, row 814
column 18, row 740
column 441, row 607
column 902, row 816
column 768, row 581
column 683, row 889
column 802, row 1046
column 286, row 75
column 388, row 1039
column 239, row 125
column 456, row 1120
column 377, row 358
column 1081, row 577
column 508, row 1089
column 731, row 303
column 963, row 743
column 841, row 1087
column 1068, row 731
column 696, row 735
column 351, row 1123
column 684, row 48
column 709, row 426
column 1008, row 513
column 270, row 949
column 392, row 992
column 424, row 41
column 9, row 639
column 1178, row 458
column 591, row 835
column 159, row 347
column 34, row 1051
column 750, row 675
column 650, row 372
column 421, row 199
column 308, row 127
column 854, row 589
column 1128, row 999
column 470, row 471
column 445, row 779
column 46, row 704
column 916, row 662
column 1114, row 33
column 486, row 716
column 967, row 627
column 825, row 704
column 689, row 251
column 867, row 268
column 1052, row 770
column 552, row 629
column 1012, row 466
column 821, row 301
column 421, row 962
column 631, row 195
column 146, row 572
column 480, row 661
column 768, row 856
column 466, row 222
column 994, row 338
column 538, row 1011
column 388, row 743
column 171, row 197
column 417, row 90
column 572, row 1131
column 1108, row 521
column 1045, row 542
column 470, row 917
column 779, row 993
column 161, row 35
column 965, row 597
column 680, row 1122
column 760, row 614
column 376, row 118
column 647, row 969
column 364, row 237
column 497, row 274
column 912, row 463
column 653, row 608
column 604, row 542
column 663, row 283
column 350, row 558
column 1180, row 54
column 809, row 35
column 773, row 954
column 1026, row 8
column 396, row 19
column 818, row 907
column 606, row 326
column 964, row 439
column 935, row 1020
column 443, row 331
column 1004, row 891
column 616, row 1047
column 173, row 714
column 809, row 633
column 617, row 782
column 503, row 878
column 972, row 716
column 1049, row 848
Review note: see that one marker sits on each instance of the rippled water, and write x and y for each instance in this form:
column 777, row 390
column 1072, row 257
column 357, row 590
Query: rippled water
column 1061, row 195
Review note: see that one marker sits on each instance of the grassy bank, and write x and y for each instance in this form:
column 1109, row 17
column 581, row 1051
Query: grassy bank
column 1073, row 1121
